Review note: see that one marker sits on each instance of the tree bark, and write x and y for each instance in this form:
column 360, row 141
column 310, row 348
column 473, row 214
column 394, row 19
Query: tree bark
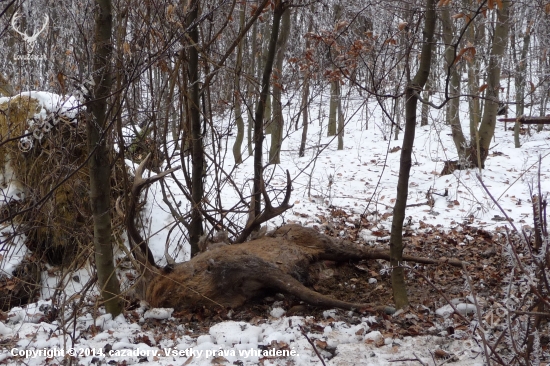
column 340, row 124
column 195, row 229
column 99, row 163
column 473, row 87
column 259, row 115
column 453, row 116
column 237, row 146
column 333, row 107
column 335, row 92
column 305, row 94
column 521, row 68
column 413, row 88
column 254, row 60
column 278, row 121
column 488, row 122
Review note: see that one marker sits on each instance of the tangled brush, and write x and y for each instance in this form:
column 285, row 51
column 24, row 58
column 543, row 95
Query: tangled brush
column 44, row 144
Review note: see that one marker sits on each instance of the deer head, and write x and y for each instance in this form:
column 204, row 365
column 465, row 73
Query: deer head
column 30, row 41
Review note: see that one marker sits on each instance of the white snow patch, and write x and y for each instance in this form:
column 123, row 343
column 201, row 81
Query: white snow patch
column 158, row 313
column 277, row 312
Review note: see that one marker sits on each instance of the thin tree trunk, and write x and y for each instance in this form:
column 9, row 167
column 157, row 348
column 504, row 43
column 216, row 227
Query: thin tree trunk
column 333, row 107
column 259, row 116
column 340, row 125
column 237, row 146
column 278, row 121
column 305, row 94
column 488, row 122
column 99, row 163
column 334, row 104
column 252, row 71
column 425, row 107
column 267, row 103
column 305, row 117
column 476, row 36
column 396, row 115
column 521, row 67
column 415, row 86
column 453, row 116
column 195, row 228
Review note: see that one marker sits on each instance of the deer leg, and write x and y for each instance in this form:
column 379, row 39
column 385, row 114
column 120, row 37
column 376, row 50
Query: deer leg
column 288, row 284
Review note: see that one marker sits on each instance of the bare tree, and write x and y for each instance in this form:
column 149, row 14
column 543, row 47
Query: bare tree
column 412, row 91
column 99, row 162
column 486, row 130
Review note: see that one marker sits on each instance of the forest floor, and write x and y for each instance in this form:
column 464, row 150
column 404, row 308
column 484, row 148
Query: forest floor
column 416, row 336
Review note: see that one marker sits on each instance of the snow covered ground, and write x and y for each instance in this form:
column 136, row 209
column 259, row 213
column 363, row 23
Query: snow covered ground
column 361, row 179
column 153, row 337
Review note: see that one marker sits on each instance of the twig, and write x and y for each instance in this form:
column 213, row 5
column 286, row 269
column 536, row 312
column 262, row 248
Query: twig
column 492, row 348
column 410, row 359
column 478, row 311
column 417, row 204
column 312, row 345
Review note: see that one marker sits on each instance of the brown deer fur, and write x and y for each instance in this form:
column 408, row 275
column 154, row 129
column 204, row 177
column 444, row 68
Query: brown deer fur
column 228, row 276
column 231, row 275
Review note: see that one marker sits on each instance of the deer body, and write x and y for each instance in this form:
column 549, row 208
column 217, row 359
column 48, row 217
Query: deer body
column 229, row 276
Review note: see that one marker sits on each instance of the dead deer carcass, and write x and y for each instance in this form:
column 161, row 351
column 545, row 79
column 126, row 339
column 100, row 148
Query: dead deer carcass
column 228, row 276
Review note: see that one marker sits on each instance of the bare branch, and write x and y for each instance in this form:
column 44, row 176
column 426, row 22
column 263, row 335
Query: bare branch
column 269, row 211
column 138, row 244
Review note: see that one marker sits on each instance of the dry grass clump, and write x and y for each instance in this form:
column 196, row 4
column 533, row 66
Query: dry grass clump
column 58, row 229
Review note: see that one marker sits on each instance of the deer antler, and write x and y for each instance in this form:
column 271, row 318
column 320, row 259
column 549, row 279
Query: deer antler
column 14, row 19
column 269, row 211
column 29, row 40
column 144, row 254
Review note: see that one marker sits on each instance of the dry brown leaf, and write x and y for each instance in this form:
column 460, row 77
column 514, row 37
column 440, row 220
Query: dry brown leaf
column 341, row 25
column 441, row 354
column 321, row 344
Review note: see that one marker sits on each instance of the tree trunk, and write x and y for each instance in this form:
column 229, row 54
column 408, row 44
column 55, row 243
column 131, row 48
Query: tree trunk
column 264, row 56
column 521, row 67
column 415, row 86
column 334, row 104
column 453, row 106
column 488, row 122
column 305, row 94
column 278, row 122
column 195, row 228
column 259, row 116
column 333, row 107
column 340, row 125
column 249, row 87
column 305, row 117
column 396, row 115
column 99, row 163
column 237, row 146
column 425, row 107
